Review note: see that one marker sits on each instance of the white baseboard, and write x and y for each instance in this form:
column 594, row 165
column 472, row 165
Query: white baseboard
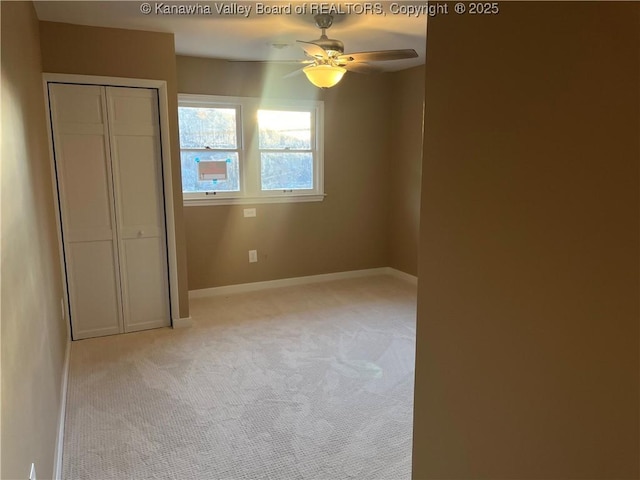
column 289, row 282
column 181, row 322
column 403, row 276
column 57, row 461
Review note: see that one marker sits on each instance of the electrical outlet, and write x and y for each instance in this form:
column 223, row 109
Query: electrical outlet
column 253, row 256
column 32, row 473
column 249, row 212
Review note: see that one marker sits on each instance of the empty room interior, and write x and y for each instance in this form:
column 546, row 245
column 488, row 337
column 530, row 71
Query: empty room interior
column 298, row 240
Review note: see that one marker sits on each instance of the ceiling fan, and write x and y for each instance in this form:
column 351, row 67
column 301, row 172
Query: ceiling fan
column 328, row 63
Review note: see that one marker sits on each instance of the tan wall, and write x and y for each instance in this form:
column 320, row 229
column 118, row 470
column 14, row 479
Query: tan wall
column 131, row 54
column 405, row 157
column 527, row 348
column 347, row 231
column 34, row 334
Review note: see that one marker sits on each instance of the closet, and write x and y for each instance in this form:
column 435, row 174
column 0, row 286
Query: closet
column 108, row 169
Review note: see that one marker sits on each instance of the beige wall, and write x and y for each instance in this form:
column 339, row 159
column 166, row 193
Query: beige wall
column 527, row 348
column 347, row 231
column 34, row 334
column 405, row 159
column 131, row 54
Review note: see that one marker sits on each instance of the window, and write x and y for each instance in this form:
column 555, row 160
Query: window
column 250, row 150
column 209, row 149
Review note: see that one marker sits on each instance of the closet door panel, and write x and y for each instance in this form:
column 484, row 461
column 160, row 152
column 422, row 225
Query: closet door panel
column 94, row 297
column 140, row 188
column 137, row 161
column 145, row 283
column 86, row 186
column 86, row 203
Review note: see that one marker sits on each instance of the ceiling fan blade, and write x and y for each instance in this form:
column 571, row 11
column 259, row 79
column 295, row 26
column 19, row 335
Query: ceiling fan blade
column 360, row 67
column 378, row 56
column 313, row 50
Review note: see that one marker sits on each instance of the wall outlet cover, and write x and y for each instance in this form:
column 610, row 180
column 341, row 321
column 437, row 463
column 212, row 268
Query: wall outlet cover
column 249, row 212
column 253, row 256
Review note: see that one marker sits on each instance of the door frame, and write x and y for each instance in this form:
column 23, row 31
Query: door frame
column 167, row 177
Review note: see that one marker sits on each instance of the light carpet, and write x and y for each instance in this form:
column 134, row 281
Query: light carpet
column 304, row 382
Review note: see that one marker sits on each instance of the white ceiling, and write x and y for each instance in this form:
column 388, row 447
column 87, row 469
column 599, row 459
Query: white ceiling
column 237, row 37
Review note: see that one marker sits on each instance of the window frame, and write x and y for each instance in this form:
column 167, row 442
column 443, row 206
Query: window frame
column 249, row 151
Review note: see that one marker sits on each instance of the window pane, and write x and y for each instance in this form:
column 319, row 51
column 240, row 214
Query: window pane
column 286, row 171
column 191, row 177
column 207, row 127
column 282, row 130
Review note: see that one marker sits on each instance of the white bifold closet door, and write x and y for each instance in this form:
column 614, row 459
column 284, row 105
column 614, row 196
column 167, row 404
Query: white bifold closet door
column 109, row 171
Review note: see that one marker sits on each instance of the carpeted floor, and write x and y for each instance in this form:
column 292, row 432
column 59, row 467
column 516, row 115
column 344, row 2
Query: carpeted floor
column 305, row 382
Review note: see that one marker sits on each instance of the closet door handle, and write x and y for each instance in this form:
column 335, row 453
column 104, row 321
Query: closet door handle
column 140, row 233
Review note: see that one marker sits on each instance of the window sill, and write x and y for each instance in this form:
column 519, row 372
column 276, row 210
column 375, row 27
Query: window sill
column 198, row 202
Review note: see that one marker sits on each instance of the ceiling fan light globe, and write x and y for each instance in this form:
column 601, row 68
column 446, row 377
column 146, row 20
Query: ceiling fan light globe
column 324, row 76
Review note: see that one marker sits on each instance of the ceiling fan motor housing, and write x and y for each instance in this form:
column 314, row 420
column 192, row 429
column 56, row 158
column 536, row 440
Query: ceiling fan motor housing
column 332, row 46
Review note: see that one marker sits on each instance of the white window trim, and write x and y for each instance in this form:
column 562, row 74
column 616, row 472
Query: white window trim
column 245, row 196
